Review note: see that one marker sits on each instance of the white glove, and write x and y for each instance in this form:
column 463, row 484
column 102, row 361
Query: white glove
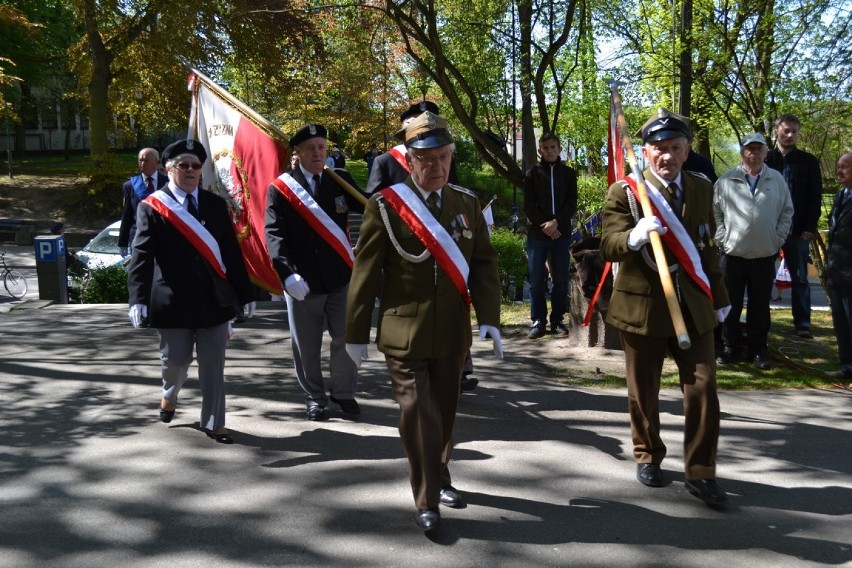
column 137, row 313
column 297, row 287
column 641, row 233
column 248, row 309
column 486, row 331
column 722, row 313
column 357, row 352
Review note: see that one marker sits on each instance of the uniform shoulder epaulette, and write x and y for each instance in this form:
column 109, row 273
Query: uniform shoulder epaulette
column 461, row 189
column 699, row 175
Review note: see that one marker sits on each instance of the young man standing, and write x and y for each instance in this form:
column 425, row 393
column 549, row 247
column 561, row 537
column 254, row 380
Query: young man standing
column 550, row 201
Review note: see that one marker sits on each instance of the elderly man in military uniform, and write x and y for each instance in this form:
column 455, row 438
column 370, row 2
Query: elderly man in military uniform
column 307, row 235
column 684, row 217
column 430, row 240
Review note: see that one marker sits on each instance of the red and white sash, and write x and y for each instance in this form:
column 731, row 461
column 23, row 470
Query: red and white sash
column 398, row 152
column 301, row 200
column 188, row 226
column 676, row 238
column 429, row 231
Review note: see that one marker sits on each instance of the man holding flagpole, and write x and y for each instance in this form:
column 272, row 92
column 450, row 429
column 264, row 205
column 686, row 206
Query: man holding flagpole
column 307, row 234
column 682, row 203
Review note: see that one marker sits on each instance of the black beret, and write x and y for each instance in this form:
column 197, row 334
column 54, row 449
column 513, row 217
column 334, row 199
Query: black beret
column 307, row 132
column 181, row 147
column 665, row 124
column 419, row 108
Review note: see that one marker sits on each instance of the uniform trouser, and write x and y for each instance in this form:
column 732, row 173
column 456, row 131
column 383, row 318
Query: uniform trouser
column 697, row 368
column 796, row 251
column 307, row 319
column 841, row 315
column 427, row 391
column 176, row 355
column 755, row 276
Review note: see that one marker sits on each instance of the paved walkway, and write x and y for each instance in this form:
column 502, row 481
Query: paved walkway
column 89, row 477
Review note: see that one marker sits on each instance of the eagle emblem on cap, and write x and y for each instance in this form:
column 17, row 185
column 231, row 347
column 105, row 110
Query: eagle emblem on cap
column 423, row 107
column 190, row 144
column 312, row 129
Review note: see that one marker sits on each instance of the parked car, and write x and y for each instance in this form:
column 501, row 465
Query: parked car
column 102, row 251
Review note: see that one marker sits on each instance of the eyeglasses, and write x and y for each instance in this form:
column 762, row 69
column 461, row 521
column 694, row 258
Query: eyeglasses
column 183, row 166
column 443, row 159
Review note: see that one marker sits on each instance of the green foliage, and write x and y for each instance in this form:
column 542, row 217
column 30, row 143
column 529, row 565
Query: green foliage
column 512, row 261
column 101, row 197
column 591, row 194
column 106, row 286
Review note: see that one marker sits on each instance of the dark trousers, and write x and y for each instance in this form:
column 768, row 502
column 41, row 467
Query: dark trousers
column 796, row 251
column 427, row 391
column 697, row 368
column 755, row 276
column 841, row 315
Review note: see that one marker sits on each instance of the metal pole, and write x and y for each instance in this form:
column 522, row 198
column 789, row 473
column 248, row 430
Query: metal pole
column 9, row 148
column 514, row 124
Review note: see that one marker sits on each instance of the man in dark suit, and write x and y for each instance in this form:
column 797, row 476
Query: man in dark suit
column 838, row 265
column 185, row 278
column 136, row 189
column 427, row 243
column 307, row 234
column 639, row 310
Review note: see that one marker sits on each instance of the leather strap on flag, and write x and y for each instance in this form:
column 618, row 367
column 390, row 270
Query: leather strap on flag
column 304, row 204
column 431, row 233
column 676, row 238
column 188, row 226
column 398, row 152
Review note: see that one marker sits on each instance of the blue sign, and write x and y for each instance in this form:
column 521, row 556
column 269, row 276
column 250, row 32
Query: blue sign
column 48, row 249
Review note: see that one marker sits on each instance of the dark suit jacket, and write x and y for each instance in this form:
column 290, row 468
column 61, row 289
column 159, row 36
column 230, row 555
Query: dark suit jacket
column 386, row 171
column 838, row 264
column 419, row 319
column 638, row 304
column 171, row 277
column 128, row 211
column 804, row 179
column 294, row 246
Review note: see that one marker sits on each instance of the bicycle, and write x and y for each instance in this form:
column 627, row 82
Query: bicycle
column 13, row 280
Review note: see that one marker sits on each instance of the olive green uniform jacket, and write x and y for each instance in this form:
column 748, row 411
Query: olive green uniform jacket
column 421, row 314
column 638, row 304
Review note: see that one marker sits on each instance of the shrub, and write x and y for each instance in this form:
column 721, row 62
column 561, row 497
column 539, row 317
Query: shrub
column 106, row 285
column 512, row 261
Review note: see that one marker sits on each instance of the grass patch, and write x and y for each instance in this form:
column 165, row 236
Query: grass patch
column 797, row 363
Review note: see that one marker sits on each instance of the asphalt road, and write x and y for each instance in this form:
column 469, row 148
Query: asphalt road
column 89, row 477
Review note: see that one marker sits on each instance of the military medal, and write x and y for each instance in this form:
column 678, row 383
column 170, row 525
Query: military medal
column 462, row 220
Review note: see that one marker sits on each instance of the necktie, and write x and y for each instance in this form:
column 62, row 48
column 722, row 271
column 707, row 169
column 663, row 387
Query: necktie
column 149, row 187
column 677, row 192
column 316, row 184
column 190, row 205
column 432, row 203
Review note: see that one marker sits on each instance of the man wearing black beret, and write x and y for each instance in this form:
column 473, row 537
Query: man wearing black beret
column 638, row 308
column 185, row 278
column 307, row 235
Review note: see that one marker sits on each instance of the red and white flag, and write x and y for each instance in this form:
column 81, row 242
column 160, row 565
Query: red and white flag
column 614, row 149
column 243, row 161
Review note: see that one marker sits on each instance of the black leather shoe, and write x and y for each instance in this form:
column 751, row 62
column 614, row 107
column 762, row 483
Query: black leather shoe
column 559, row 328
column 316, row 412
column 761, row 362
column 450, row 497
column 468, row 383
column 221, row 437
column 428, row 519
column 347, row 405
column 726, row 357
column 166, row 415
column 650, row 474
column 707, row 490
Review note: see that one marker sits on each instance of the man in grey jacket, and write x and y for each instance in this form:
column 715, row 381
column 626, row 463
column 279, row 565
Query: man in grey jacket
column 753, row 212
